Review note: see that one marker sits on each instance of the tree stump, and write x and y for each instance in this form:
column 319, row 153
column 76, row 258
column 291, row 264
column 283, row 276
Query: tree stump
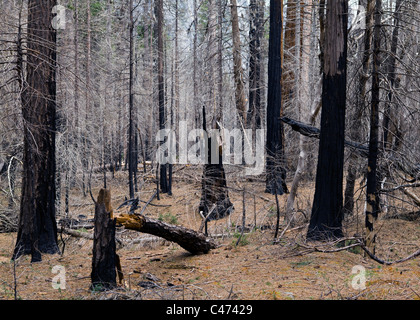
column 104, row 259
column 214, row 186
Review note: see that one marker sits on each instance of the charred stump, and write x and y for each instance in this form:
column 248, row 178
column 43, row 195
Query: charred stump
column 104, row 259
column 214, row 192
column 214, row 186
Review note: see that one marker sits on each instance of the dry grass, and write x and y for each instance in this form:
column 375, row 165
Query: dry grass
column 255, row 269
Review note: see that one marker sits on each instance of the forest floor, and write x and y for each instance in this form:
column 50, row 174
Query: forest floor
column 254, row 269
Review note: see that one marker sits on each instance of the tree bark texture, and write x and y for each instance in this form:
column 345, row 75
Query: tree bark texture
column 190, row 240
column 37, row 230
column 161, row 88
column 238, row 72
column 355, row 133
column 214, row 189
column 256, row 12
column 327, row 209
column 132, row 162
column 288, row 85
column 392, row 77
column 372, row 196
column 103, row 275
column 304, row 97
column 275, row 171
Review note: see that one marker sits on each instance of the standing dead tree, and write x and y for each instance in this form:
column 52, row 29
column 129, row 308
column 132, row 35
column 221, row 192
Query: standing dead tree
column 214, row 186
column 372, row 198
column 105, row 261
column 276, row 173
column 37, row 231
column 327, row 208
column 356, row 116
column 238, row 72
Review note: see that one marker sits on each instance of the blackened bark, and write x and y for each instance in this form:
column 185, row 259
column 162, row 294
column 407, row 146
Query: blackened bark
column 327, row 209
column 130, row 153
column 103, row 275
column 372, row 197
column 214, row 186
column 275, row 169
column 190, row 240
column 237, row 64
column 161, row 88
column 37, row 230
column 256, row 13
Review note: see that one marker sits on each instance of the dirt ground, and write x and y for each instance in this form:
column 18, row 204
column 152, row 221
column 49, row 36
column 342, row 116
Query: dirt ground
column 254, row 269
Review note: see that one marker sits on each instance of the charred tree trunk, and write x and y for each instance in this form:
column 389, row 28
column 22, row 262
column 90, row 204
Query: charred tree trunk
column 161, row 88
column 372, row 196
column 103, row 275
column 131, row 125
column 37, row 230
column 214, row 187
column 327, row 209
column 86, row 143
column 276, row 173
column 190, row 240
column 256, row 11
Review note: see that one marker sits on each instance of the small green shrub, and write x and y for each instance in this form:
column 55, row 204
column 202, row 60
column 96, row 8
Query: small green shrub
column 168, row 217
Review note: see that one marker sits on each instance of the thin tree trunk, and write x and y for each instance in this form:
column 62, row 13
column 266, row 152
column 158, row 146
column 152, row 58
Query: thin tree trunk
column 304, row 100
column 391, row 75
column 86, row 153
column 76, row 87
column 131, row 171
column 372, row 205
column 195, row 81
column 219, row 111
column 161, row 87
column 256, row 11
column 237, row 64
column 361, row 93
column 289, row 55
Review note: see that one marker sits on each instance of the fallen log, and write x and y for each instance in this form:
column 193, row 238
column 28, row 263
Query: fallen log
column 77, row 233
column 190, row 240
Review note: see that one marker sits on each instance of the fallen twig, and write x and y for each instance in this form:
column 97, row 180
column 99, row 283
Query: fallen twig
column 148, row 202
column 359, row 242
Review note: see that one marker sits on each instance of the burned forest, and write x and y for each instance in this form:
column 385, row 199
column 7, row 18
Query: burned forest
column 210, row 150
